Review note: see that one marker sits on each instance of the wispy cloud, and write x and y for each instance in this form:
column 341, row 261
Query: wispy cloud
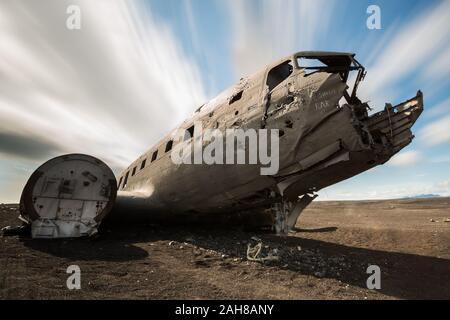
column 441, row 108
column 27, row 147
column 110, row 89
column 441, row 159
column 439, row 67
column 410, row 50
column 267, row 30
column 436, row 132
column 406, row 158
column 116, row 86
column 444, row 186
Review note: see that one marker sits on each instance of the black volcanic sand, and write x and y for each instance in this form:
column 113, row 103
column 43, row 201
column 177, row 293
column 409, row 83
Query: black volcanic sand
column 326, row 258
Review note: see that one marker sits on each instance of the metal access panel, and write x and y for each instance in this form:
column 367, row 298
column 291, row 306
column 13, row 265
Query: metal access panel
column 68, row 196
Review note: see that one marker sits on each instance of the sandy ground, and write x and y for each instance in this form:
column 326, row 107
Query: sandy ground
column 326, row 258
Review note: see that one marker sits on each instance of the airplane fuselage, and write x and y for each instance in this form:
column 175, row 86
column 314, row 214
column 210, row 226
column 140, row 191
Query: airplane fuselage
column 322, row 141
column 323, row 135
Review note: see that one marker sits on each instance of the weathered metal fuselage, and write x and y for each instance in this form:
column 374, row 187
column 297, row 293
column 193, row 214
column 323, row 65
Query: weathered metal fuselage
column 324, row 132
column 321, row 143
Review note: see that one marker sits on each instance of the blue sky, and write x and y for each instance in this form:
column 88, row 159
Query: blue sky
column 136, row 69
column 208, row 35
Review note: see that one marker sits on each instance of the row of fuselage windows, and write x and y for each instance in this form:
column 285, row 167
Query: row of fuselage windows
column 133, row 171
column 169, row 145
column 189, row 134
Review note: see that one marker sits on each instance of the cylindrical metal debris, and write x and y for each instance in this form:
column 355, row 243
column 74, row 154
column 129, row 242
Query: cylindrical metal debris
column 68, row 196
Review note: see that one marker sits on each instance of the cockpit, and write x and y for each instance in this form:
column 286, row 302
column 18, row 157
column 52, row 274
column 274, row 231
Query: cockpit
column 333, row 62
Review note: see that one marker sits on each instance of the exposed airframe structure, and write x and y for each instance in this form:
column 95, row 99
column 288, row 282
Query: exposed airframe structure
column 326, row 136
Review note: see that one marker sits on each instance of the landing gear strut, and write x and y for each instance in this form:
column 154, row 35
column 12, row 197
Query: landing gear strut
column 287, row 212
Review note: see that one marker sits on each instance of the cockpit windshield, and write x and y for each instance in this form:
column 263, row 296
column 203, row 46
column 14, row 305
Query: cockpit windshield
column 310, row 65
column 341, row 64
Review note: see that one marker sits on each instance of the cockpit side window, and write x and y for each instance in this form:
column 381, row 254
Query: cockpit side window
column 278, row 74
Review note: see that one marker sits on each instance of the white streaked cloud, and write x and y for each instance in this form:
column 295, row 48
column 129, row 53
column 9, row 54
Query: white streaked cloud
column 420, row 44
column 111, row 89
column 192, row 25
column 407, row 158
column 267, row 30
column 444, row 186
column 442, row 108
column 439, row 67
column 436, row 132
column 114, row 87
column 441, row 158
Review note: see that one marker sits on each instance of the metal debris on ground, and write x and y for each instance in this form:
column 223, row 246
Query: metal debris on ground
column 255, row 252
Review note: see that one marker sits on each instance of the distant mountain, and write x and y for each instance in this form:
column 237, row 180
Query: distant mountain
column 424, row 196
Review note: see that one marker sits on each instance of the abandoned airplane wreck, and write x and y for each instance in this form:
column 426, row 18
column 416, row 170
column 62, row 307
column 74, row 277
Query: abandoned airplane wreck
column 325, row 136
